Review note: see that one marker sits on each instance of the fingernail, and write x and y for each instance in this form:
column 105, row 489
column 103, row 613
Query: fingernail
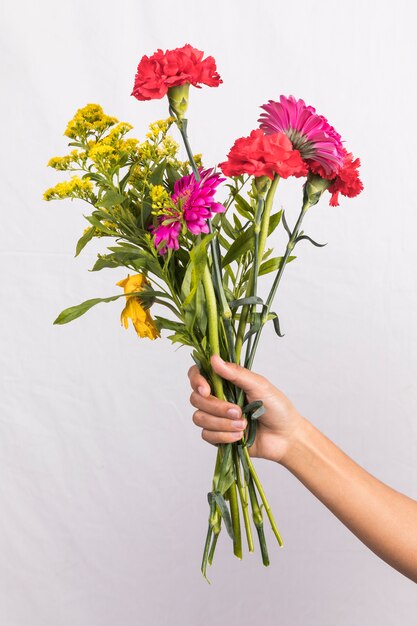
column 201, row 391
column 220, row 358
column 233, row 413
column 241, row 425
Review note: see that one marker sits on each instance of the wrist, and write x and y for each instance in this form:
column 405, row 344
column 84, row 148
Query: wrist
column 296, row 443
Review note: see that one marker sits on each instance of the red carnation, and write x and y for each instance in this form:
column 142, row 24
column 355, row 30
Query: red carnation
column 264, row 155
column 156, row 74
column 347, row 181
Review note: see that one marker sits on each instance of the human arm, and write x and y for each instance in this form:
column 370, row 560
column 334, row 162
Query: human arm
column 382, row 518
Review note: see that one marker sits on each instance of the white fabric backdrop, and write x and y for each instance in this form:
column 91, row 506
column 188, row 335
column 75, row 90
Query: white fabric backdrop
column 103, row 476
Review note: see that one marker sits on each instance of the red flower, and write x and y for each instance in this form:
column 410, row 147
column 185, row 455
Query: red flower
column 264, row 155
column 347, row 181
column 156, row 74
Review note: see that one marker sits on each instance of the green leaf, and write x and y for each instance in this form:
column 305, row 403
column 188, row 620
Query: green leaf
column 172, row 175
column 96, row 222
column 252, row 406
column 273, row 264
column 244, row 462
column 252, row 433
column 111, row 199
column 183, row 338
column 163, row 322
column 224, row 510
column 200, row 304
column 157, row 175
column 103, row 262
column 223, row 241
column 238, row 223
column 245, row 241
column 67, row 315
column 243, row 206
column 243, row 301
column 84, row 239
column 273, row 222
column 198, row 262
column 228, row 228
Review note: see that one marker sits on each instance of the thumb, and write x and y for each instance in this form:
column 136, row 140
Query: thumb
column 240, row 376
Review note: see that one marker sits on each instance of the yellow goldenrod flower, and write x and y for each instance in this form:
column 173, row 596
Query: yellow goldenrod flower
column 160, row 197
column 198, row 158
column 103, row 155
column 141, row 318
column 159, row 127
column 75, row 188
column 89, row 120
column 169, row 147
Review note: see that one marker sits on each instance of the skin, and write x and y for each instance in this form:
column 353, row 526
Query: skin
column 382, row 518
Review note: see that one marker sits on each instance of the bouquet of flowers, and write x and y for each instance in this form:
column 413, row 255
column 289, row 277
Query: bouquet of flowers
column 199, row 258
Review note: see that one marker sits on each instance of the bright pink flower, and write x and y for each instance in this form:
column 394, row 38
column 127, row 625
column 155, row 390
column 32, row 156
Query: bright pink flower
column 318, row 142
column 196, row 199
column 264, row 155
column 194, row 205
column 167, row 232
column 157, row 73
column 347, row 181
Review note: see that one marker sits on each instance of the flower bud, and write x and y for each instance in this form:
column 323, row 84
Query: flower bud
column 178, row 99
column 314, row 188
column 262, row 184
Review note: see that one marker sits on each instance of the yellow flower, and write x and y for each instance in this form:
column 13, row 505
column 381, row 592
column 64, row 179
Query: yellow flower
column 75, row 158
column 160, row 126
column 74, row 188
column 160, row 197
column 91, row 119
column 141, row 318
column 169, row 147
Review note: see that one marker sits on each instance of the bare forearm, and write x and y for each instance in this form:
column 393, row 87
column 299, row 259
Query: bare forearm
column 382, row 518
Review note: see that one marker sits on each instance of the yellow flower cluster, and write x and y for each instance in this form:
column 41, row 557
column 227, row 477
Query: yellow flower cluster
column 198, row 158
column 74, row 188
column 90, row 120
column 75, row 157
column 168, row 147
column 141, row 318
column 160, row 197
column 159, row 127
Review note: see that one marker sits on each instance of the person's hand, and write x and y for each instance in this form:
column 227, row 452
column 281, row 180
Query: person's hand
column 222, row 421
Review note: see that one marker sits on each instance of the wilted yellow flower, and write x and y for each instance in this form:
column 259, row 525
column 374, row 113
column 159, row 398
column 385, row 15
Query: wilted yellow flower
column 141, row 318
column 74, row 188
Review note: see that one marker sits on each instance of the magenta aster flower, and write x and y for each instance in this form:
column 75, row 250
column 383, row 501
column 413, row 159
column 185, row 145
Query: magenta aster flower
column 318, row 142
column 193, row 203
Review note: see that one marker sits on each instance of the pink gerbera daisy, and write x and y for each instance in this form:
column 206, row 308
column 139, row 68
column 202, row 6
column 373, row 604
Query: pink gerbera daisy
column 319, row 144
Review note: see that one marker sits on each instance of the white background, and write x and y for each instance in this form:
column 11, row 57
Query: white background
column 103, row 477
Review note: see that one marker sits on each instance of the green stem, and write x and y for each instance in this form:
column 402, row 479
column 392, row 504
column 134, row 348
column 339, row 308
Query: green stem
column 234, row 513
column 258, row 521
column 212, row 318
column 262, row 495
column 243, row 494
column 290, row 246
column 262, row 243
column 225, row 311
